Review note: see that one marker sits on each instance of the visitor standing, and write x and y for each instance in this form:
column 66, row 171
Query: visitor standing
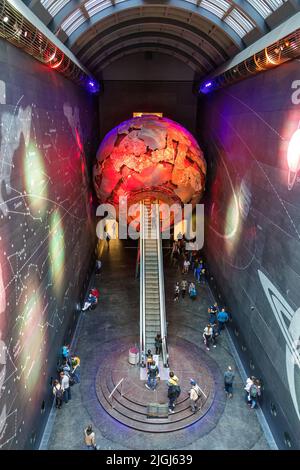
column 90, row 438
column 152, row 372
column 65, row 384
column 177, row 292
column 228, row 381
column 183, row 287
column 158, row 343
column 195, row 393
column 173, row 390
column 58, row 393
column 222, row 319
column 208, row 336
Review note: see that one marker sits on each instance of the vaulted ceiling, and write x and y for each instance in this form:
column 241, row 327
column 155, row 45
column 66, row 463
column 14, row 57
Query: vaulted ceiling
column 201, row 33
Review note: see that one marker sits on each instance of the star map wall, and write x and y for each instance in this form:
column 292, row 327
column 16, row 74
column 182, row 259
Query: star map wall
column 46, row 234
column 250, row 136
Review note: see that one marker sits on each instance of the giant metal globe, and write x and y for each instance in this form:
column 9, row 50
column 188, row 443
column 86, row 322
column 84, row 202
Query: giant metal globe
column 149, row 155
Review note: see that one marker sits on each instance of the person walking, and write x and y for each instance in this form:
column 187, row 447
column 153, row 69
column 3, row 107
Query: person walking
column 212, row 316
column 195, row 393
column 173, row 390
column 222, row 318
column 192, row 291
column 65, row 351
column 152, row 372
column 228, row 381
column 76, row 368
column 65, row 384
column 177, row 291
column 208, row 336
column 249, row 382
column 254, row 393
column 90, row 438
column 149, row 358
column 98, row 267
column 158, row 343
column 58, row 393
column 186, row 266
column 183, row 287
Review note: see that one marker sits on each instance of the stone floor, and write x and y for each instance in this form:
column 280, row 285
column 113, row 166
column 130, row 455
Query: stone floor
column 116, row 321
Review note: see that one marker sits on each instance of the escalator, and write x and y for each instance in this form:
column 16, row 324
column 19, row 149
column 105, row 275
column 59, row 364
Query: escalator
column 152, row 295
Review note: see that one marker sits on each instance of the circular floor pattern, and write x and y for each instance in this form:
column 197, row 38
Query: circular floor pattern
column 129, row 402
column 120, row 424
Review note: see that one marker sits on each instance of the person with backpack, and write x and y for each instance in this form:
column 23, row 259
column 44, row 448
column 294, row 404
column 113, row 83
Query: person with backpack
column 90, row 438
column 174, row 390
column 149, row 358
column 195, row 394
column 58, row 393
column 228, row 381
column 152, row 372
column 254, row 393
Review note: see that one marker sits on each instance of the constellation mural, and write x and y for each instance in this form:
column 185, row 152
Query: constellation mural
column 291, row 332
column 45, row 245
column 252, row 226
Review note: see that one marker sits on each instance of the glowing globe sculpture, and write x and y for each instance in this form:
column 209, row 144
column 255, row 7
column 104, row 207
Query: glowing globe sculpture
column 149, row 155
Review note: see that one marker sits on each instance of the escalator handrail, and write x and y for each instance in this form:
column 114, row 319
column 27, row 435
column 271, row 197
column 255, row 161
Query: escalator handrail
column 142, row 285
column 161, row 289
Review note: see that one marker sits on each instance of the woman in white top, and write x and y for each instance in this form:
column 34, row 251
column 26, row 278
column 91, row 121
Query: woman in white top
column 89, row 438
column 186, row 265
column 207, row 335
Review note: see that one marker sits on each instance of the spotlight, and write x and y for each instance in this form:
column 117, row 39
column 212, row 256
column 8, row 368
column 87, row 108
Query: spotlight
column 208, row 84
column 93, row 86
column 5, row 19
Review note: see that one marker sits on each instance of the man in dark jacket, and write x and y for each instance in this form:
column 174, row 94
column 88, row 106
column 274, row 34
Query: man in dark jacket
column 173, row 391
column 153, row 372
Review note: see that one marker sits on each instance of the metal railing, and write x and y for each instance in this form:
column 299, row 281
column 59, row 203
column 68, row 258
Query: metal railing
column 142, row 287
column 111, row 396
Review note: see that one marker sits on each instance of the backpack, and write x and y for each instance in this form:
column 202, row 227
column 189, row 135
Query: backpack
column 177, row 390
column 253, row 391
column 59, row 393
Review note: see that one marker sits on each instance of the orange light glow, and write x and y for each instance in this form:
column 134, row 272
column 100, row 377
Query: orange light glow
column 139, row 114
